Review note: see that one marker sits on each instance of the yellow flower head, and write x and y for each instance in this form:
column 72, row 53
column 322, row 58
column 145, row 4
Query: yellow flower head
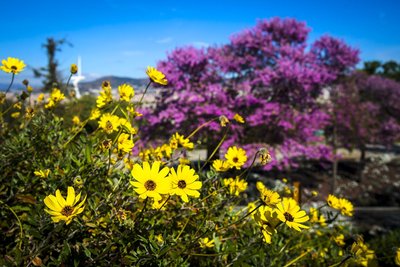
column 106, row 144
column 345, row 207
column 29, row 113
column 339, row 240
column 127, row 126
column 126, row 92
column 266, row 217
column 361, row 253
column 124, row 143
column 235, row 186
column 64, row 209
column 289, row 212
column 15, row 115
column 206, row 243
column 185, row 182
column 73, row 69
column 238, row 118
column 76, row 120
column 236, row 157
column 397, row 257
column 109, row 123
column 223, row 121
column 94, row 114
column 17, row 105
column 105, row 96
column 332, row 201
column 12, row 65
column 40, row 98
column 269, row 197
column 56, row 95
column 42, row 174
column 220, row 165
column 156, row 76
column 264, row 156
column 179, row 140
column 317, row 218
column 151, row 181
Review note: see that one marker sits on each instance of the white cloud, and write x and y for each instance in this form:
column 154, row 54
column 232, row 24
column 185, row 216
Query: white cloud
column 132, row 53
column 165, row 40
column 200, row 44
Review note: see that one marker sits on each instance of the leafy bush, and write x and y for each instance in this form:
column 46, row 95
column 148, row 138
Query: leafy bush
column 73, row 197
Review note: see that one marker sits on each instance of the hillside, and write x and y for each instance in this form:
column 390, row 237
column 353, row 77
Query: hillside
column 138, row 83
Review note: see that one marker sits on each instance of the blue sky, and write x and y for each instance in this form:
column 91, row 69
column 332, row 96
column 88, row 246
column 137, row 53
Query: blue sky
column 123, row 37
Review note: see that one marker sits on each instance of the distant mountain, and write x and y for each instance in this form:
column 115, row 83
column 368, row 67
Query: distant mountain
column 137, row 83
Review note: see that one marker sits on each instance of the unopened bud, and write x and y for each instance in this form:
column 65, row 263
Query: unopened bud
column 74, row 69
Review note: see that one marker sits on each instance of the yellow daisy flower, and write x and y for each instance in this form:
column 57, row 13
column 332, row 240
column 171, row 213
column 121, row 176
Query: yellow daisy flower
column 361, row 253
column 206, row 243
column 220, row 165
column 64, row 209
column 56, row 95
column 109, row 123
column 269, row 197
column 151, row 181
column 179, row 140
column 238, row 118
column 345, row 207
column 40, row 98
column 124, row 143
column 236, row 157
column 236, row 186
column 127, row 126
column 397, row 258
column 317, row 218
column 289, row 212
column 94, row 114
column 339, row 240
column 42, row 174
column 12, row 65
column 105, row 96
column 332, row 201
column 267, row 218
column 76, row 120
column 126, row 92
column 156, row 76
column 185, row 182
column 15, row 115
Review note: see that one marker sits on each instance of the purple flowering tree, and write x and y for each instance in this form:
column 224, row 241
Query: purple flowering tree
column 269, row 75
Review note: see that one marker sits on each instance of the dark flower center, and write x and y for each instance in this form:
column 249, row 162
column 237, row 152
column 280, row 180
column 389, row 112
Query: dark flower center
column 67, row 211
column 105, row 84
column 182, row 184
column 235, row 159
column 288, row 217
column 14, row 68
column 150, row 185
column 109, row 126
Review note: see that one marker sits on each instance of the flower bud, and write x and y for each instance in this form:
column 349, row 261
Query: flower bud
column 74, row 69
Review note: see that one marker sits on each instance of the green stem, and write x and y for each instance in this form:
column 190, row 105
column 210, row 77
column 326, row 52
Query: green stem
column 9, row 87
column 145, row 91
column 78, row 131
column 12, row 81
column 341, row 262
column 200, row 127
column 296, row 259
column 215, row 150
column 244, row 217
column 69, row 79
column 165, row 202
column 250, row 167
column 19, row 223
column 139, row 217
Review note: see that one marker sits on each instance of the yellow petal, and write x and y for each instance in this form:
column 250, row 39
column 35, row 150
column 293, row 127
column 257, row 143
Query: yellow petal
column 60, row 199
column 70, row 196
column 52, row 203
